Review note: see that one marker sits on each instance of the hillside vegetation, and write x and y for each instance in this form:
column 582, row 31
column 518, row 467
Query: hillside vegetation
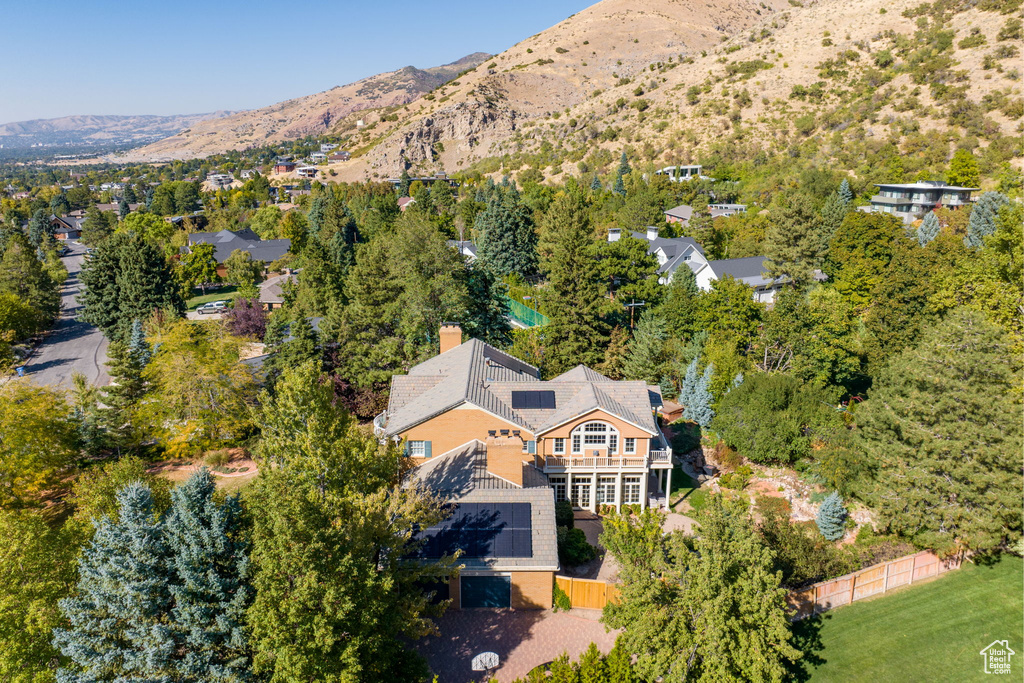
column 720, row 82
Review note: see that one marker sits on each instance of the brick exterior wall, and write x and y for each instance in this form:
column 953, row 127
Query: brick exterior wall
column 532, row 590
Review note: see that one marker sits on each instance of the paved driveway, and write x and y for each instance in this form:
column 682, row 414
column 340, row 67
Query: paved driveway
column 71, row 345
column 522, row 640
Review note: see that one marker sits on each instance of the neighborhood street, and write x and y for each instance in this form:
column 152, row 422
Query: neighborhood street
column 72, row 345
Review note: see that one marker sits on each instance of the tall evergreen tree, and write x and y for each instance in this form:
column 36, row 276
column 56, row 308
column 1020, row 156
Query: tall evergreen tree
column 38, row 227
column 645, row 359
column 122, row 209
column 832, row 215
column 117, row 628
column 60, row 205
column 620, row 186
column 126, row 279
column 487, row 315
column 137, row 343
column 210, row 586
column 845, row 193
column 941, row 430
column 595, row 184
column 624, row 167
column 508, row 241
column 23, row 274
column 983, row 216
column 122, row 396
column 793, row 240
column 679, row 307
column 831, row 518
column 929, row 229
column 699, row 405
column 577, row 333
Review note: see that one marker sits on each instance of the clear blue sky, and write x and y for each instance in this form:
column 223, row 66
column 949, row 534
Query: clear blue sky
column 182, row 56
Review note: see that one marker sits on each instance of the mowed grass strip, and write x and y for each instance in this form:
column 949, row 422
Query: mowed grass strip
column 198, row 298
column 929, row 632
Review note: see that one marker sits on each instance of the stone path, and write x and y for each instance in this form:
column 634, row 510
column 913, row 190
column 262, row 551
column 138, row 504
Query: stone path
column 522, row 640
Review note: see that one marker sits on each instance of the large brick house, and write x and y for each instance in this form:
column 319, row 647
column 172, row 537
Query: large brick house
column 487, row 434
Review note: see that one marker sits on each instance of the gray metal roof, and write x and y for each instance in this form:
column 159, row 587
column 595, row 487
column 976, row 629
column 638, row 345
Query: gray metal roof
column 749, row 270
column 480, row 375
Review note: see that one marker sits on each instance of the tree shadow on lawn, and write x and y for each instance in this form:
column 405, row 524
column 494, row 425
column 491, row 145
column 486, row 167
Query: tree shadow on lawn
column 807, row 639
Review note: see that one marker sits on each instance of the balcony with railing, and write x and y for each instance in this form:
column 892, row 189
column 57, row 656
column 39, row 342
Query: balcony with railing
column 380, row 423
column 559, row 463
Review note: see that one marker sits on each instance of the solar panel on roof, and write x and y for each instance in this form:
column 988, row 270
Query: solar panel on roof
column 533, row 400
column 482, row 531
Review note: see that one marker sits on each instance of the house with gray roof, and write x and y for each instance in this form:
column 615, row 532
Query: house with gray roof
column 671, row 252
column 227, row 241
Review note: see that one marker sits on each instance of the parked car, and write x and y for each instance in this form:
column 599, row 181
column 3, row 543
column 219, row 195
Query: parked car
column 212, row 307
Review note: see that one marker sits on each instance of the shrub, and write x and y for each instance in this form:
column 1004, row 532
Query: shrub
column 727, row 457
column 560, row 50
column 573, row 548
column 560, row 599
column 563, row 514
column 217, row 459
column 737, row 480
column 831, row 518
column 768, row 505
column 685, row 436
column 1011, row 30
column 801, row 554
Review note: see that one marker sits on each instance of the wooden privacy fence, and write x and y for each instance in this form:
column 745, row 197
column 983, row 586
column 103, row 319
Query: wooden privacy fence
column 816, row 599
column 587, row 592
column 862, row 584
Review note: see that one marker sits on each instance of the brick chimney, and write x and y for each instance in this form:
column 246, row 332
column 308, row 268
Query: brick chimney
column 451, row 336
column 505, row 456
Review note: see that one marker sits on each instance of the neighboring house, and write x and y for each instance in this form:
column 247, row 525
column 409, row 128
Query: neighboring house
column 404, row 202
column 220, row 179
column 464, row 247
column 723, row 210
column 680, row 214
column 272, row 290
column 426, row 180
column 339, row 156
column 226, row 241
column 749, row 271
column 594, row 439
column 307, row 171
column 116, row 207
column 671, row 252
column 284, row 167
column 248, row 173
column 318, row 157
column 328, row 146
column 911, row 201
column 66, row 227
column 682, row 173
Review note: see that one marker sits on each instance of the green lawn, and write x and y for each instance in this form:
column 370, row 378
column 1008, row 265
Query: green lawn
column 198, row 298
column 930, row 632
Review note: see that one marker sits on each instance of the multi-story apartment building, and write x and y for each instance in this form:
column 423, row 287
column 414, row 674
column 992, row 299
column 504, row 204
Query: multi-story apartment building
column 911, row 201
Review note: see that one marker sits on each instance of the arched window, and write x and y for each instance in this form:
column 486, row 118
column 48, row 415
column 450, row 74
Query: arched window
column 595, row 435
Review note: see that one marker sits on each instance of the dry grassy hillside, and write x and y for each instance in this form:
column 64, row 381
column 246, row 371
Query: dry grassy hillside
column 611, row 76
column 310, row 115
column 610, row 42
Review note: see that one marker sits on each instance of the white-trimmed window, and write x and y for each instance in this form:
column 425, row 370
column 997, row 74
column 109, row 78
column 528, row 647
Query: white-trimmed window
column 596, row 434
column 630, row 445
column 606, row 490
column 417, row 449
column 558, row 484
column 576, row 441
column 559, row 447
column 580, row 492
column 630, row 490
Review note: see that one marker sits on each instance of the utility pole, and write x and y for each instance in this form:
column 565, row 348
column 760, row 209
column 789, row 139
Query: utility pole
column 631, row 306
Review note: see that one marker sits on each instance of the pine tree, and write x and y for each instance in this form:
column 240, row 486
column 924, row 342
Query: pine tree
column 595, row 184
column 620, row 187
column 317, row 210
column 87, row 414
column 793, row 240
column 38, row 226
column 982, row 220
column 613, row 365
column 577, row 333
column 122, row 396
column 507, row 239
column 845, row 193
column 699, row 408
column 941, row 433
column 122, row 208
column 691, row 380
column 126, row 279
column 129, row 194
column 832, row 215
column 487, row 315
column 210, row 585
column 117, row 629
column 137, row 343
column 737, row 380
column 929, row 229
column 624, row 167
column 404, row 182
column 646, row 352
column 831, row 519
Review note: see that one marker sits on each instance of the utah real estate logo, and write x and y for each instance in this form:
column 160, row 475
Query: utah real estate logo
column 997, row 657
